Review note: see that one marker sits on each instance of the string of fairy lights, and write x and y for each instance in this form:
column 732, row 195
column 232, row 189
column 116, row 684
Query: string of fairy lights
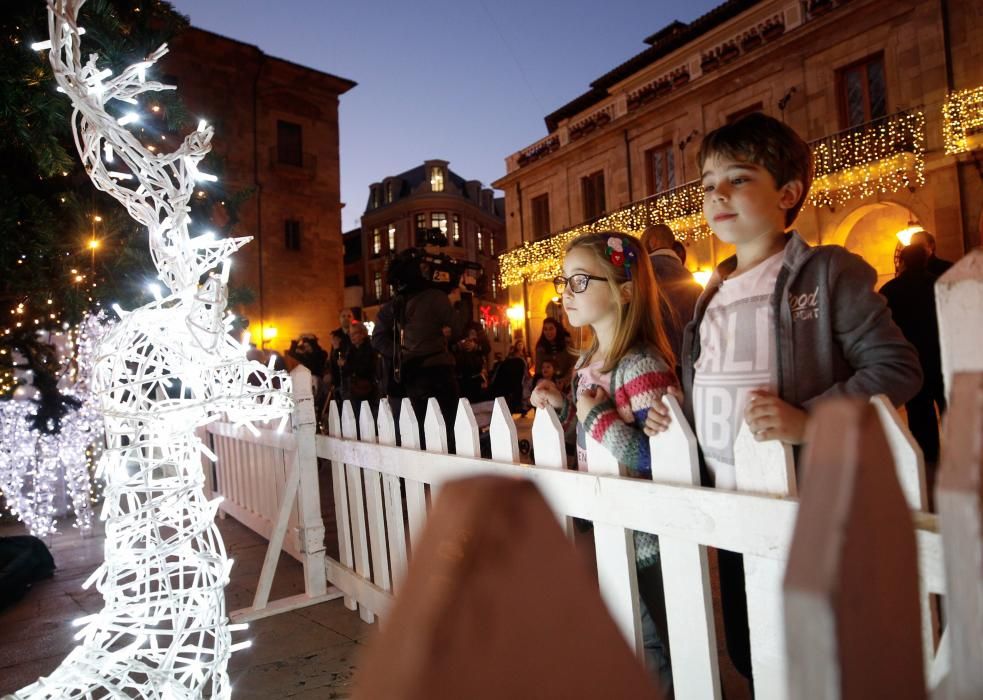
column 36, row 466
column 962, row 120
column 881, row 158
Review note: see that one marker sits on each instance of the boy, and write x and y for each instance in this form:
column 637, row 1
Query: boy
column 780, row 326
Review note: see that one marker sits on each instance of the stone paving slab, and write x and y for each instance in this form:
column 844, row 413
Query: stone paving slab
column 308, row 653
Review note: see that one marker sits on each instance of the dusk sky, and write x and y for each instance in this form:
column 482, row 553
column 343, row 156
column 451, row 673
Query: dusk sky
column 468, row 82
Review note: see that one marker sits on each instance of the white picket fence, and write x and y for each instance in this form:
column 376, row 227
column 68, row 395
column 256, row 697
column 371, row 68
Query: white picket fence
column 382, row 494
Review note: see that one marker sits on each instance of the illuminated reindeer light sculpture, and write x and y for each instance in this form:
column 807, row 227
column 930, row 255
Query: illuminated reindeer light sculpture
column 165, row 370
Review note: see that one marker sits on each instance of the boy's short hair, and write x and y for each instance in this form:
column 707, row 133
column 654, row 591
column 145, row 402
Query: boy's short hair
column 762, row 140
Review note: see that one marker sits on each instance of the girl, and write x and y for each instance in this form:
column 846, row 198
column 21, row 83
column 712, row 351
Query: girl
column 608, row 284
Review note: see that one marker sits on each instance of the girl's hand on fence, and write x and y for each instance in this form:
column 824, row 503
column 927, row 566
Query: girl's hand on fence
column 589, row 398
column 546, row 394
column 658, row 419
column 770, row 418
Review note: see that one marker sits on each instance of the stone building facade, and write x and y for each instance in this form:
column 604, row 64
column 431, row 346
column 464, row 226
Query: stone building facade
column 865, row 81
column 276, row 128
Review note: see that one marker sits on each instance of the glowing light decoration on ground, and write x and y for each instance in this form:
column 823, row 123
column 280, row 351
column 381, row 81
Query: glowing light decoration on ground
column 164, row 370
column 33, row 463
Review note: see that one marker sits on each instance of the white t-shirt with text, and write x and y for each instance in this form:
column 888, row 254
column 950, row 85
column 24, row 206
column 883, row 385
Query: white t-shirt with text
column 737, row 356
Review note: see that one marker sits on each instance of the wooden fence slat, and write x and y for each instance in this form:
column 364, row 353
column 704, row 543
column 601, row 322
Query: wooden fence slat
column 373, row 506
column 851, row 588
column 435, row 437
column 392, row 490
column 614, row 546
column 960, row 500
column 416, row 495
column 504, row 436
column 467, row 436
column 686, row 571
column 340, row 488
column 550, row 452
column 764, row 468
column 356, row 507
column 959, row 304
column 908, row 457
column 909, row 462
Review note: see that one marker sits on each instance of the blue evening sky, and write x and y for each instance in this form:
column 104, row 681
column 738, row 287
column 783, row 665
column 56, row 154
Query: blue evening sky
column 468, row 81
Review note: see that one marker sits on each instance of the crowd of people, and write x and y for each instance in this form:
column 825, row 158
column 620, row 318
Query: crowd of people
column 779, row 326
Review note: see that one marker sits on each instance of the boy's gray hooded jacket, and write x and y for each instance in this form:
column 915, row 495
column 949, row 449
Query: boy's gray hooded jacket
column 833, row 333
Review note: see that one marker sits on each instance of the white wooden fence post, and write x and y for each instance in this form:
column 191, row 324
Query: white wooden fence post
column 960, row 500
column 309, row 494
column 765, row 468
column 686, row 571
column 435, row 437
column 342, row 511
column 395, row 529
column 416, row 495
column 504, row 436
column 614, row 547
column 959, row 303
column 910, row 465
column 467, row 436
column 373, row 504
column 356, row 508
column 851, row 587
column 550, row 452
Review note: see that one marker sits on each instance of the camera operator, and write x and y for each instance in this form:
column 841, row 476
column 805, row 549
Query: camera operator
column 410, row 331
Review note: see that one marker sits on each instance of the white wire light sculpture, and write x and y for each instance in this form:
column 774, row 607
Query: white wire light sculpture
column 166, row 369
column 33, row 464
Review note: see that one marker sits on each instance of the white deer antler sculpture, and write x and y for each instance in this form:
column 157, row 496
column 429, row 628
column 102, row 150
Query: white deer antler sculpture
column 164, row 370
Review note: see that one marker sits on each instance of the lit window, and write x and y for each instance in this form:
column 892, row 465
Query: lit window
column 392, row 237
column 421, row 221
column 376, row 241
column 436, row 179
column 480, row 245
column 494, row 288
column 389, row 193
column 377, row 285
column 438, row 219
column 457, row 228
column 491, row 244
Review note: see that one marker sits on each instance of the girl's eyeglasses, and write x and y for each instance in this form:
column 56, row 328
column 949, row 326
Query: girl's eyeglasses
column 578, row 282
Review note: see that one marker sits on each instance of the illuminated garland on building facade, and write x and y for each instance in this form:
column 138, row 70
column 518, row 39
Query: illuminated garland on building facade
column 962, row 121
column 681, row 208
column 879, row 158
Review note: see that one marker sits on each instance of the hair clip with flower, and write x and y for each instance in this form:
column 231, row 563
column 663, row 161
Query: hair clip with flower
column 620, row 257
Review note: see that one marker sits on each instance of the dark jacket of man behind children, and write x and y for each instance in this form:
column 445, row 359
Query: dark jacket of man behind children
column 678, row 290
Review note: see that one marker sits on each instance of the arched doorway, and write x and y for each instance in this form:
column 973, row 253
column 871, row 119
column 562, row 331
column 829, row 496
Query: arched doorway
column 871, row 231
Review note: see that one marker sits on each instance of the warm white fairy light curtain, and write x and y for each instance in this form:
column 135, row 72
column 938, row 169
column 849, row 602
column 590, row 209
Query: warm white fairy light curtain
column 164, row 370
column 34, row 466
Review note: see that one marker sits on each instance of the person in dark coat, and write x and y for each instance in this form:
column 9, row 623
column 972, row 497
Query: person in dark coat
column 911, row 298
column 935, row 266
column 678, row 289
column 358, row 369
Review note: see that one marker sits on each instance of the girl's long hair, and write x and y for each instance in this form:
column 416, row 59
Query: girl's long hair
column 640, row 322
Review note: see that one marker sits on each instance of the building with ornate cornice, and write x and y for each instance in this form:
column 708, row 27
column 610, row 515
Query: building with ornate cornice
column 889, row 94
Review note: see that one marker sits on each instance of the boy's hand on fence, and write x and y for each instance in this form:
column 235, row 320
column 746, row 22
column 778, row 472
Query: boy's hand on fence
column 658, row 418
column 546, row 394
column 589, row 398
column 770, row 418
